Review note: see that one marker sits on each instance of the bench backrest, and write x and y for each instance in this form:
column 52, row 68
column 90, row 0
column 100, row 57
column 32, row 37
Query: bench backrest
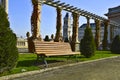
column 52, row 48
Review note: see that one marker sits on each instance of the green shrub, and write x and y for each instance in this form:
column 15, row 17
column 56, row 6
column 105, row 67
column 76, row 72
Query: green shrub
column 52, row 36
column 8, row 49
column 87, row 45
column 115, row 46
column 66, row 40
column 46, row 38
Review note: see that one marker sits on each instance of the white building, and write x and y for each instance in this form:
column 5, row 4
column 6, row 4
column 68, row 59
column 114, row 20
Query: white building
column 22, row 45
column 114, row 17
column 93, row 26
column 67, row 28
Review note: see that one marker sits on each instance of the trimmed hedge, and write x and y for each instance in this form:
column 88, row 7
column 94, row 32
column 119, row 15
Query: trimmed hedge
column 87, row 45
column 115, row 46
column 8, row 40
column 46, row 38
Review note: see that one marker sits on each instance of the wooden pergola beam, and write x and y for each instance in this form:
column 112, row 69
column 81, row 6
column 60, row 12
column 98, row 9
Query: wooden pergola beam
column 71, row 8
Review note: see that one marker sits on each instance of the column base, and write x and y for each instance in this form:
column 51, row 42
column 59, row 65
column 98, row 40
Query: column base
column 30, row 40
column 75, row 46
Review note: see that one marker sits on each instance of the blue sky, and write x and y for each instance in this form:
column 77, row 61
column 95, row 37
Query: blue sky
column 20, row 13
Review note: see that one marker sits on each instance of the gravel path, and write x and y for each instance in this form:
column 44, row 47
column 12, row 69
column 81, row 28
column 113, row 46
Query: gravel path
column 108, row 69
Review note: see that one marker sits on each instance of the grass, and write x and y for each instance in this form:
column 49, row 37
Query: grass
column 98, row 55
column 26, row 62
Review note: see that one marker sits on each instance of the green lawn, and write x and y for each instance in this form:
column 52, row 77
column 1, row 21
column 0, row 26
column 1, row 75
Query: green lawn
column 26, row 62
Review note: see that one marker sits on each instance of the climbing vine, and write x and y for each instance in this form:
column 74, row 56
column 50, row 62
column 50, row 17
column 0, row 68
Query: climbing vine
column 58, row 36
column 104, row 43
column 97, row 35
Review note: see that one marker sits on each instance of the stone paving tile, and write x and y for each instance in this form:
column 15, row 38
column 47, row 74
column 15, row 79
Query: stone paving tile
column 107, row 69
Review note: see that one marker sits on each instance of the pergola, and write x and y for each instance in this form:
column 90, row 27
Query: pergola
column 76, row 13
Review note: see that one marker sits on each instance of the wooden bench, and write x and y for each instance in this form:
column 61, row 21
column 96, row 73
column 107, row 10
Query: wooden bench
column 45, row 49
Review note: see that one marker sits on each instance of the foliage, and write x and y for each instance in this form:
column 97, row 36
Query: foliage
column 27, row 61
column 97, row 34
column 66, row 40
column 87, row 45
column 115, row 46
column 8, row 49
column 46, row 38
column 52, row 36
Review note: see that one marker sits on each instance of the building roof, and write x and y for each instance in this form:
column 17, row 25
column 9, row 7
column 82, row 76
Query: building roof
column 67, row 15
column 92, row 25
column 113, row 10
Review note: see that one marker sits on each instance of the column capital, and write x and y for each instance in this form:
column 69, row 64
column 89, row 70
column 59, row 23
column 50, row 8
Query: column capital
column 96, row 20
column 75, row 14
column 34, row 2
column 87, row 18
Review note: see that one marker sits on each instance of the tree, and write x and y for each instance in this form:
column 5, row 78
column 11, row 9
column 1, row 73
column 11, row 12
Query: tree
column 66, row 39
column 87, row 45
column 8, row 40
column 115, row 46
column 46, row 38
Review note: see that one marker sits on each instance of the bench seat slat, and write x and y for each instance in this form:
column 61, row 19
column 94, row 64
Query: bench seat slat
column 52, row 48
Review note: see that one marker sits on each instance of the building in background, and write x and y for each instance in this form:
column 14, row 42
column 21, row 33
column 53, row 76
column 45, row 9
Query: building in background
column 67, row 28
column 114, row 17
column 93, row 26
column 22, row 45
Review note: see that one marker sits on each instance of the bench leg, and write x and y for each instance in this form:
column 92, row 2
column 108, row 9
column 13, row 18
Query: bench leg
column 37, row 57
column 69, row 57
column 42, row 57
column 44, row 60
column 76, row 58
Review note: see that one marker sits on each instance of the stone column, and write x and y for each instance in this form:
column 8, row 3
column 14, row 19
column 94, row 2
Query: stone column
column 111, row 32
column 75, row 30
column 97, row 34
column 4, row 3
column 105, row 41
column 58, row 36
column 6, row 6
column 88, row 22
column 36, row 19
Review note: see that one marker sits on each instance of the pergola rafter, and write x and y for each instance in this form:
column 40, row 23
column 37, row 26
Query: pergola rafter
column 76, row 12
column 74, row 9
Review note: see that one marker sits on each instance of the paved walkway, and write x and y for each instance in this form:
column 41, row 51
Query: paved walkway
column 108, row 69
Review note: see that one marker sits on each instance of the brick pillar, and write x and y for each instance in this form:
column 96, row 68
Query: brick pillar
column 97, row 34
column 58, row 36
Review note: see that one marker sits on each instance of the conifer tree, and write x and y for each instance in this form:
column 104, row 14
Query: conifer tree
column 8, row 49
column 87, row 45
column 115, row 46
